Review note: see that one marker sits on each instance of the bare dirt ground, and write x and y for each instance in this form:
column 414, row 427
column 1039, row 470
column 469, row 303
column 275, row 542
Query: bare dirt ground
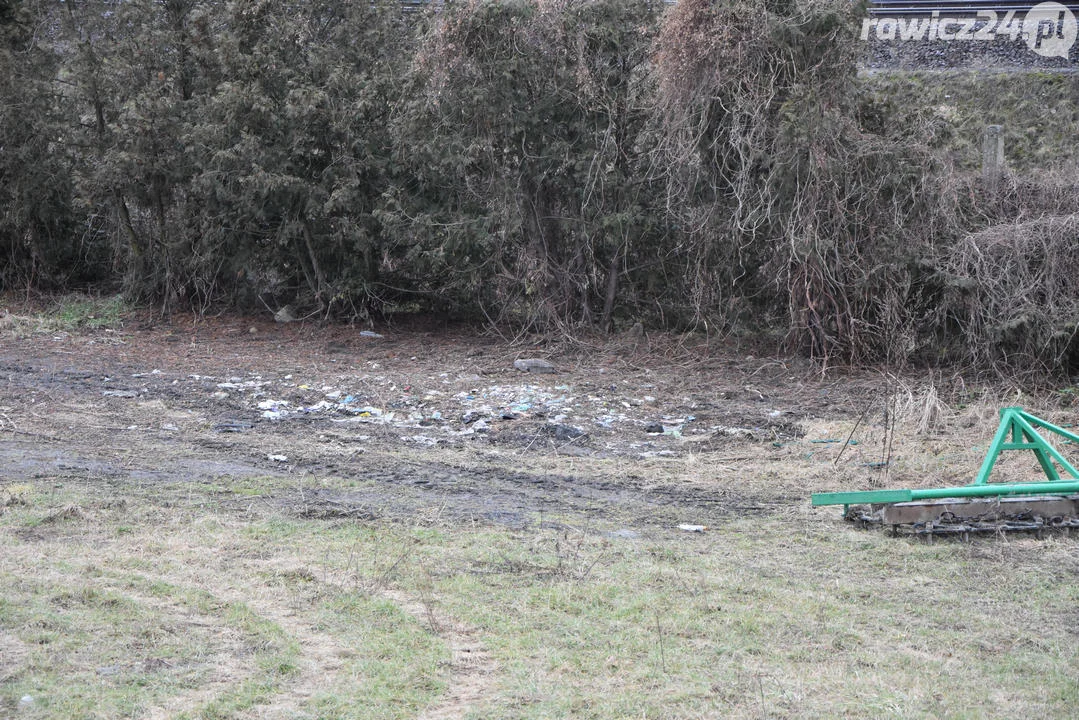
column 423, row 421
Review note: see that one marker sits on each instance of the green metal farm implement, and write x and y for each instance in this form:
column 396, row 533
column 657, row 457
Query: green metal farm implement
column 982, row 505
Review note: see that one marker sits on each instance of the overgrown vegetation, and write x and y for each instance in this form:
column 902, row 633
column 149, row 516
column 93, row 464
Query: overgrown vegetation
column 536, row 164
column 792, row 208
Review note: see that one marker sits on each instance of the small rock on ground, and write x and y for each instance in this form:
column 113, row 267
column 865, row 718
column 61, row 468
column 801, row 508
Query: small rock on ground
column 563, row 433
column 535, row 365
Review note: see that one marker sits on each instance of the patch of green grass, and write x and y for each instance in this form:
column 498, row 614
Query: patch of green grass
column 394, row 666
column 104, row 650
column 88, row 647
column 702, row 628
column 147, row 609
column 74, row 312
column 1037, row 111
column 246, row 694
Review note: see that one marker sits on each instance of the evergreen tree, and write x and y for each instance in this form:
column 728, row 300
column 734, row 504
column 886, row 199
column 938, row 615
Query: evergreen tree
column 520, row 134
column 293, row 147
column 38, row 243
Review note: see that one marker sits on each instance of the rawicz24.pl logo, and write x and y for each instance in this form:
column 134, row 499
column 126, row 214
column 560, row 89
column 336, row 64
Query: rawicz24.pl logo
column 1048, row 28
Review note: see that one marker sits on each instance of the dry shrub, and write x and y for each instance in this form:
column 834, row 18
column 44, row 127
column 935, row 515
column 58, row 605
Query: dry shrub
column 1015, row 296
column 700, row 44
column 786, row 202
column 919, row 406
column 927, row 410
column 1016, row 197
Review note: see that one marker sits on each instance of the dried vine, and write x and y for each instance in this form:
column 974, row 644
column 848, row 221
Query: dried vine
column 789, row 205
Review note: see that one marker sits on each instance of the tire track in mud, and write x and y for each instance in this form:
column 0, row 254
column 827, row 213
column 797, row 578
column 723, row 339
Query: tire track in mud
column 395, row 488
column 321, row 656
column 472, row 668
column 516, row 499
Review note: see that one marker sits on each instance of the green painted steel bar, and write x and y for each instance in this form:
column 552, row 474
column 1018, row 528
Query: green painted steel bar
column 1044, row 451
column 870, row 497
column 1033, row 441
column 995, row 446
column 886, row 497
column 1050, row 427
column 1031, row 420
column 1015, row 422
column 1025, row 437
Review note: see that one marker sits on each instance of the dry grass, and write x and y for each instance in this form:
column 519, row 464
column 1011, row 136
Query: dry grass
column 1013, row 288
column 177, row 610
column 170, row 604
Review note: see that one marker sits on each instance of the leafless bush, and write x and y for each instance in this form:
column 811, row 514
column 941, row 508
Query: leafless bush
column 1014, row 292
column 922, row 406
column 783, row 197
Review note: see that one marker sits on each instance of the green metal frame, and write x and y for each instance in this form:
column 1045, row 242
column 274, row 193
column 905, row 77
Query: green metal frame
column 1017, row 431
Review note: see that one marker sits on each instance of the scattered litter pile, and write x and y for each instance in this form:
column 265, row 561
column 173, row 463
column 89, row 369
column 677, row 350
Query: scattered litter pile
column 448, row 408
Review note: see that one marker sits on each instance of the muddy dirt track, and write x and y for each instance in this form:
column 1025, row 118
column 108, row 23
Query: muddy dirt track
column 416, row 425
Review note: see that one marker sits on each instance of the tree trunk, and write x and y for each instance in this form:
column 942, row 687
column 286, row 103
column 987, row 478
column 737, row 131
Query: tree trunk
column 612, row 289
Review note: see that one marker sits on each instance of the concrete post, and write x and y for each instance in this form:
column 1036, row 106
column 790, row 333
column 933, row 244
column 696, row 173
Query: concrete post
column 993, row 155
